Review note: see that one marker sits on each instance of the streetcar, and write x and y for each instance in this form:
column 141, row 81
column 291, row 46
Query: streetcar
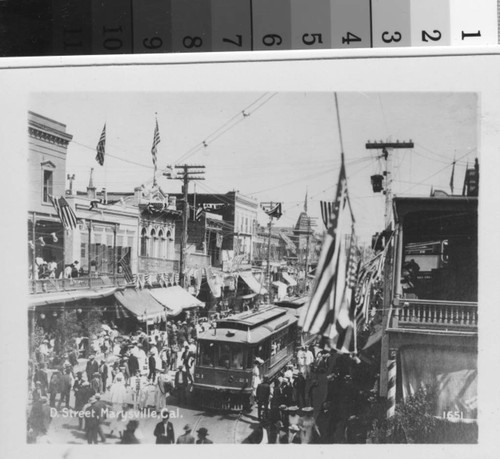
column 226, row 355
column 296, row 306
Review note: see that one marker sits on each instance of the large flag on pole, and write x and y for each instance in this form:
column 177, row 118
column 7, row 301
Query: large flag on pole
column 101, row 146
column 64, row 211
column 331, row 308
column 156, row 141
column 452, row 176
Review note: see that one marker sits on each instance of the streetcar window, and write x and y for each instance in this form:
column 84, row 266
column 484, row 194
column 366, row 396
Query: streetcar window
column 207, row 354
column 224, row 355
column 237, row 358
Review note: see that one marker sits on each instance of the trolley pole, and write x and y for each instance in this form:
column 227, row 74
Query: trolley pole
column 187, row 174
column 268, row 270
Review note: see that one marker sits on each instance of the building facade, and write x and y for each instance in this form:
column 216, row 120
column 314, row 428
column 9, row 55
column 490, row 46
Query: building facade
column 430, row 323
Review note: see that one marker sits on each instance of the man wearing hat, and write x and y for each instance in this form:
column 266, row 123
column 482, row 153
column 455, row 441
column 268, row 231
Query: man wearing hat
column 263, row 393
column 91, row 421
column 186, row 438
column 181, row 384
column 164, row 430
column 202, row 436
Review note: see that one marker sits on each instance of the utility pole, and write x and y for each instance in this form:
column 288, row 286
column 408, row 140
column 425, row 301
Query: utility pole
column 387, row 148
column 186, row 174
column 273, row 210
column 268, row 264
column 310, row 224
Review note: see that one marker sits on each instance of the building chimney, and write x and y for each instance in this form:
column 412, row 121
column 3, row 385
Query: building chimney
column 91, row 194
column 104, row 196
column 138, row 194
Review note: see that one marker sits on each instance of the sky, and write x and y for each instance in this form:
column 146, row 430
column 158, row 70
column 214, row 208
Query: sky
column 272, row 146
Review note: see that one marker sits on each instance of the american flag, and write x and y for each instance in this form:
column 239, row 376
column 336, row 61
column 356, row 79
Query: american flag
column 330, row 311
column 101, row 146
column 156, row 141
column 64, row 211
column 326, row 212
column 124, row 263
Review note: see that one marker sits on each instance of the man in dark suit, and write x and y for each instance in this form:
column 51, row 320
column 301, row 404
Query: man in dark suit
column 262, row 394
column 202, row 436
column 152, row 367
column 92, row 367
column 164, row 430
column 133, row 364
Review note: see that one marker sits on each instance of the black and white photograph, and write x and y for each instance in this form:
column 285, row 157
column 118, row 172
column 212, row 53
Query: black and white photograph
column 252, row 267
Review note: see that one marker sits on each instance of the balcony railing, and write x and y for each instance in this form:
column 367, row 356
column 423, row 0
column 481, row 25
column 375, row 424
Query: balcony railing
column 436, row 315
column 78, row 283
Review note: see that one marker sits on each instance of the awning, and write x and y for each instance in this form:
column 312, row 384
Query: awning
column 291, row 281
column 175, row 299
column 250, row 280
column 41, row 299
column 141, row 304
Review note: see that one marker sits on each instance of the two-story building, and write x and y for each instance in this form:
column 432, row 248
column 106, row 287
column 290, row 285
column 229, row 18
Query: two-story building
column 430, row 324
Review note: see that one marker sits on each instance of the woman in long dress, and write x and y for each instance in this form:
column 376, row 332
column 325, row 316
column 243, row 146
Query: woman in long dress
column 117, row 398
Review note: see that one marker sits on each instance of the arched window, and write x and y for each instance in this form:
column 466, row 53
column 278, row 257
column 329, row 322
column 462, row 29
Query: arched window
column 169, row 245
column 153, row 244
column 144, row 243
column 161, row 244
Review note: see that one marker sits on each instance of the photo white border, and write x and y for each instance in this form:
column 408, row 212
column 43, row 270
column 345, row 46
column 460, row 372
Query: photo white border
column 374, row 70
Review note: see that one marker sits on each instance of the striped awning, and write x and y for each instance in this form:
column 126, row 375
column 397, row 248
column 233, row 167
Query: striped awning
column 250, row 280
column 141, row 304
column 289, row 279
column 175, row 299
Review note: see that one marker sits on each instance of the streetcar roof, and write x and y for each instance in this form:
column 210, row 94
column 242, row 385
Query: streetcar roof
column 249, row 334
column 252, row 319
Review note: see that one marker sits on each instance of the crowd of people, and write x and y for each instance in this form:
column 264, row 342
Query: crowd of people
column 140, row 371
column 137, row 371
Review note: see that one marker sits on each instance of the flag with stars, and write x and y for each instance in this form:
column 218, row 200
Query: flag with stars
column 156, row 141
column 330, row 311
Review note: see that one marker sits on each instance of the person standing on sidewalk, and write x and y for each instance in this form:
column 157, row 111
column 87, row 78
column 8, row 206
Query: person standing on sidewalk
column 202, row 436
column 164, row 430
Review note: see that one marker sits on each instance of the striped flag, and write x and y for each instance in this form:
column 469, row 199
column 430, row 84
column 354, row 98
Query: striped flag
column 326, row 212
column 127, row 272
column 452, row 177
column 156, row 141
column 101, row 146
column 64, row 211
column 331, row 308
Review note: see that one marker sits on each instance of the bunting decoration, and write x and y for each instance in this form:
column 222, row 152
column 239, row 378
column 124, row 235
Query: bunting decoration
column 42, row 242
column 369, row 274
column 54, row 237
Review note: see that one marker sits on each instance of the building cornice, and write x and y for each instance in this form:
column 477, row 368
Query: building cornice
column 40, row 132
